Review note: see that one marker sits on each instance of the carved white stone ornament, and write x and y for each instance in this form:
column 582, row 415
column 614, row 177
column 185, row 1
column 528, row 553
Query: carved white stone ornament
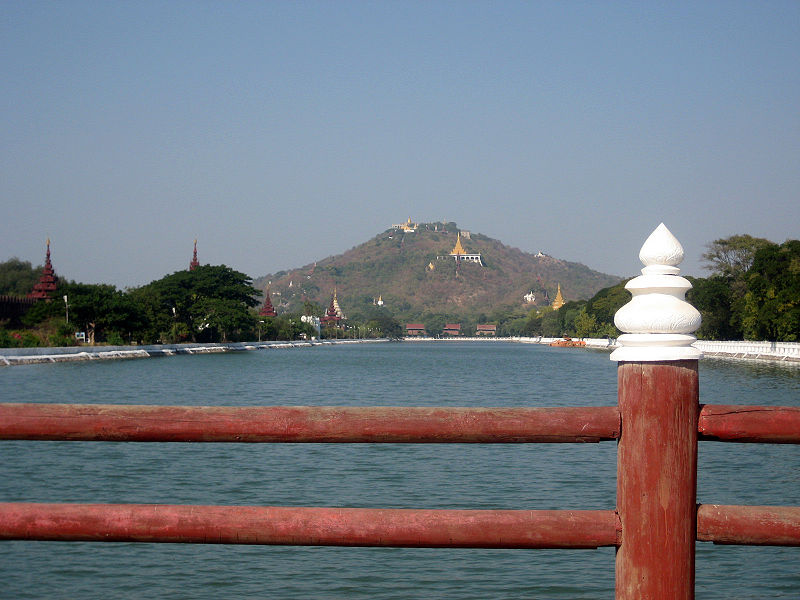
column 658, row 321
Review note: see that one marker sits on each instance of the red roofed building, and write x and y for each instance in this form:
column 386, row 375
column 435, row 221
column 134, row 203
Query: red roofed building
column 452, row 329
column 415, row 329
column 267, row 310
column 48, row 282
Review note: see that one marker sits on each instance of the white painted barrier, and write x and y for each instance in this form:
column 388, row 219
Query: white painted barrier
column 743, row 349
column 26, row 356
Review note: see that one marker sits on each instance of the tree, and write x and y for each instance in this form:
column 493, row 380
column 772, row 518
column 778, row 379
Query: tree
column 585, row 324
column 772, row 302
column 551, row 324
column 287, row 327
column 733, row 256
column 101, row 309
column 17, row 277
column 605, row 304
column 209, row 303
column 434, row 324
column 567, row 315
column 713, row 298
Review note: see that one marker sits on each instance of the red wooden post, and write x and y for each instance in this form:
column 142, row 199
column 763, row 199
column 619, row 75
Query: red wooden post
column 657, row 479
column 657, row 450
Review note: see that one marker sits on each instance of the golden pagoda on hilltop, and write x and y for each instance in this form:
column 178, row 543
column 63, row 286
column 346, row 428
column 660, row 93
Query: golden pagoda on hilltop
column 458, row 249
column 407, row 227
column 559, row 301
column 460, row 254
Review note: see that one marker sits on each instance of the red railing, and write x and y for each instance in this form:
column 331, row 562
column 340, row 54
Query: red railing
column 657, row 425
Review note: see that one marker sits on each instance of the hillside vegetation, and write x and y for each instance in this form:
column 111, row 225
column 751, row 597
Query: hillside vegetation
column 414, row 276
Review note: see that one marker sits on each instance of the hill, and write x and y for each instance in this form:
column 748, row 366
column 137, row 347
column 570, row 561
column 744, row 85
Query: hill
column 412, row 272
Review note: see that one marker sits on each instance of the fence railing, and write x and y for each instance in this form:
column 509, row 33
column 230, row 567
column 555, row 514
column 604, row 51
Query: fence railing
column 657, row 425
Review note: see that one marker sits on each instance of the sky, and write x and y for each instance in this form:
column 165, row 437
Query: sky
column 279, row 133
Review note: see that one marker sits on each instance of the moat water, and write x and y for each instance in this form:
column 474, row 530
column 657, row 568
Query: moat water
column 504, row 476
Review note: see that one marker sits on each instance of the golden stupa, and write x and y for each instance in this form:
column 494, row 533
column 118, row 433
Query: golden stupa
column 458, row 249
column 559, row 301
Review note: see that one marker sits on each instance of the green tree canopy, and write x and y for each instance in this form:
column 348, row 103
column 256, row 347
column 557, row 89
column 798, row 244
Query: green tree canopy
column 209, row 303
column 605, row 303
column 18, row 277
column 100, row 310
column 733, row 256
column 713, row 298
column 772, row 301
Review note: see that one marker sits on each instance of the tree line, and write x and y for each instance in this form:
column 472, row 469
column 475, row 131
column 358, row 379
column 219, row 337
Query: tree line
column 752, row 293
column 212, row 303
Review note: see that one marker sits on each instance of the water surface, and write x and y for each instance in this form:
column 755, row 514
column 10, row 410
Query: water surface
column 502, row 476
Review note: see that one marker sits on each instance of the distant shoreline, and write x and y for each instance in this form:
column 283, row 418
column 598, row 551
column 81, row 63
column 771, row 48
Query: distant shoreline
column 785, row 352
column 28, row 356
column 788, row 352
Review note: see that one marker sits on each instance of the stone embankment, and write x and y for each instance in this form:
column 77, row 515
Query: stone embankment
column 27, row 356
column 772, row 351
column 781, row 351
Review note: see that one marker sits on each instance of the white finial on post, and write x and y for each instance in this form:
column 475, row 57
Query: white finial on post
column 658, row 322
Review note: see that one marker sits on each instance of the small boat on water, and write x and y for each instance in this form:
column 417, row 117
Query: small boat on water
column 568, row 342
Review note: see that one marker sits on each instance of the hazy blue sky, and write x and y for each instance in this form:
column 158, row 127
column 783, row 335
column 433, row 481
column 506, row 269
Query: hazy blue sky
column 278, row 133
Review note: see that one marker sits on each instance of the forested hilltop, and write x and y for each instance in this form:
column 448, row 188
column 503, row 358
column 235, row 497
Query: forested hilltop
column 416, row 279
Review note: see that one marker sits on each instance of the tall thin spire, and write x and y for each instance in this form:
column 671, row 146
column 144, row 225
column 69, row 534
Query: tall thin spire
column 336, row 307
column 194, row 264
column 47, row 281
column 559, row 301
column 458, row 250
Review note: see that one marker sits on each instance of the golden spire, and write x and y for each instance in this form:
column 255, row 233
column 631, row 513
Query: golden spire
column 459, row 249
column 559, row 301
column 336, row 307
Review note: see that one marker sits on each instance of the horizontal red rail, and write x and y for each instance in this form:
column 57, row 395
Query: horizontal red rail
column 309, row 526
column 766, row 424
column 104, row 422
column 745, row 525
column 749, row 525
column 139, row 423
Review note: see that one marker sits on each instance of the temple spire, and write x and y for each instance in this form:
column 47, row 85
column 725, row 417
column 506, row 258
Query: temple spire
column 47, row 281
column 334, row 315
column 335, row 305
column 194, row 264
column 559, row 301
column 458, row 249
column 267, row 310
